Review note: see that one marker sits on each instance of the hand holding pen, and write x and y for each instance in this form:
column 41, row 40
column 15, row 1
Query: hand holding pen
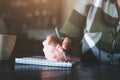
column 59, row 37
column 53, row 48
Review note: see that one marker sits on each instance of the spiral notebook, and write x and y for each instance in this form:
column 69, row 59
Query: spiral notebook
column 41, row 60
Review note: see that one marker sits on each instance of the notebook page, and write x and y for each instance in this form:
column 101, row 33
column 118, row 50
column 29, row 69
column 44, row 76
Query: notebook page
column 40, row 60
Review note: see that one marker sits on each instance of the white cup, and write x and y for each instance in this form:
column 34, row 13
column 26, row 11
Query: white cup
column 7, row 43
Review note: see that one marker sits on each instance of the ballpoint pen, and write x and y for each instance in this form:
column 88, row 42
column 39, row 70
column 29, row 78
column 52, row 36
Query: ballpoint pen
column 60, row 40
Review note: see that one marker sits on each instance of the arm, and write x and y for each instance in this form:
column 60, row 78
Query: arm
column 73, row 28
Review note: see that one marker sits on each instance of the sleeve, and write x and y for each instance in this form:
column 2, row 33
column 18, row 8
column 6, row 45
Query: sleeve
column 73, row 27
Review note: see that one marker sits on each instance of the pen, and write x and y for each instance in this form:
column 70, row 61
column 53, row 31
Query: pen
column 60, row 40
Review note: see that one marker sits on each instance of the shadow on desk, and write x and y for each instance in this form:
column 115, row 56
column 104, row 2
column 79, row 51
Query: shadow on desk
column 7, row 70
column 36, row 72
column 80, row 72
column 83, row 71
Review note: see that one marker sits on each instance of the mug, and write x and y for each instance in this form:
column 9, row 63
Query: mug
column 7, row 44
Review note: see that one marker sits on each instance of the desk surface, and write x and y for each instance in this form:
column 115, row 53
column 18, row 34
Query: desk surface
column 11, row 71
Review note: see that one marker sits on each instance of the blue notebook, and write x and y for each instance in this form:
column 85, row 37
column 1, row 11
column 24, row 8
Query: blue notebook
column 41, row 60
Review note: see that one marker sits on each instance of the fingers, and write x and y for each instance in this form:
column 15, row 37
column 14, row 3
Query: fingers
column 51, row 53
column 53, row 50
column 50, row 40
column 66, row 43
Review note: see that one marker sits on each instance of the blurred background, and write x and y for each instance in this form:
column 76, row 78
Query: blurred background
column 31, row 21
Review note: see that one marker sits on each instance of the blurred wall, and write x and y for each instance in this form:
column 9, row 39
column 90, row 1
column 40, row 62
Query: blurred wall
column 68, row 6
column 32, row 20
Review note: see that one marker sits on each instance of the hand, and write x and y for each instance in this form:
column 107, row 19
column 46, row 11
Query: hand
column 53, row 50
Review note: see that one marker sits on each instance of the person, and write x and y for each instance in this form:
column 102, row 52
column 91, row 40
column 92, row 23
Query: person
column 92, row 33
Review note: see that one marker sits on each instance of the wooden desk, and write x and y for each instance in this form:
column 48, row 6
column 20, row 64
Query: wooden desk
column 81, row 72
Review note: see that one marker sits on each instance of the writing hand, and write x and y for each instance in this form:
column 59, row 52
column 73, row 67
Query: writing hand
column 53, row 50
